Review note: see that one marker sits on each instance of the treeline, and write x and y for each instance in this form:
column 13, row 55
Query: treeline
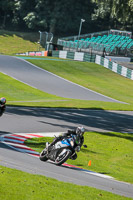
column 62, row 17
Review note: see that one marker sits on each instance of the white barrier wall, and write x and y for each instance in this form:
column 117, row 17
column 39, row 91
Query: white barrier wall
column 62, row 54
column 81, row 56
column 126, row 72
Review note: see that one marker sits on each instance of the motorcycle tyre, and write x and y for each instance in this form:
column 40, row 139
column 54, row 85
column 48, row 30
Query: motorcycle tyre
column 68, row 153
column 43, row 156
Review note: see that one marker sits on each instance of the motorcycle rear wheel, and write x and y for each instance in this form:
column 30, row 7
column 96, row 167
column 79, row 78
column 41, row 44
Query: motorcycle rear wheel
column 43, row 155
column 61, row 159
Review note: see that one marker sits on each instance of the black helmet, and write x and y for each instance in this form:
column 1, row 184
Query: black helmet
column 80, row 130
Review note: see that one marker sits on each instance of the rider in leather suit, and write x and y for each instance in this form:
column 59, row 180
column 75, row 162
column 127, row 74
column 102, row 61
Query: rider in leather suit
column 78, row 132
column 2, row 105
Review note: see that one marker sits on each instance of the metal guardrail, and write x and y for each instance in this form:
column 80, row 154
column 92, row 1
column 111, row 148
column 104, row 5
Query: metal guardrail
column 80, row 56
column 107, row 32
column 74, row 43
column 73, row 38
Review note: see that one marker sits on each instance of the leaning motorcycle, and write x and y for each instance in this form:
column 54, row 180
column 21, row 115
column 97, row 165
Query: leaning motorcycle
column 61, row 151
column 2, row 105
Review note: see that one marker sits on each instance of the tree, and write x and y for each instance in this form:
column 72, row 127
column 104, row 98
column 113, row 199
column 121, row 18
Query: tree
column 118, row 13
column 63, row 17
column 6, row 10
column 130, row 3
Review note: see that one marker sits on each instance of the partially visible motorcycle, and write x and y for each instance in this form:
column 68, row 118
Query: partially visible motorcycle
column 2, row 105
column 61, row 151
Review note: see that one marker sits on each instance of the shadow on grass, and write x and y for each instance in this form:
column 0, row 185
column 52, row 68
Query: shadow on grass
column 88, row 151
column 30, row 36
column 127, row 136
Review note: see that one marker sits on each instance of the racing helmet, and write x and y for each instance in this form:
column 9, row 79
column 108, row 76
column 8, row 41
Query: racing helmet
column 80, row 131
column 2, row 100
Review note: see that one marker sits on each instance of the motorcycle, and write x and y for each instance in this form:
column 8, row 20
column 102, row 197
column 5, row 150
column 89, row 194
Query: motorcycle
column 61, row 151
column 2, row 109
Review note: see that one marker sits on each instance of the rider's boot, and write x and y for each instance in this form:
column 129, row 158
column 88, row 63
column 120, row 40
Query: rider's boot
column 48, row 147
column 47, row 144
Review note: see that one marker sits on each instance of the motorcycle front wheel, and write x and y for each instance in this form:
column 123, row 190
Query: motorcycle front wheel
column 43, row 155
column 62, row 157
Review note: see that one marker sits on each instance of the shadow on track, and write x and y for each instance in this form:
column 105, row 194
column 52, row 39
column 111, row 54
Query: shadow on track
column 114, row 121
column 3, row 133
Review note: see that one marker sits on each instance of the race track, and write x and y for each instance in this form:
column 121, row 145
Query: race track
column 24, row 162
column 35, row 120
column 46, row 81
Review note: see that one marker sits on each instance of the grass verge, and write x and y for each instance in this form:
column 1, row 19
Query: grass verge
column 20, row 94
column 94, row 77
column 16, row 185
column 17, row 42
column 90, row 75
column 15, row 91
column 110, row 153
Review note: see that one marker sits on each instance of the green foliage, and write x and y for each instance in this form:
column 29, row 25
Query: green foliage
column 118, row 13
column 63, row 17
column 52, row 16
column 131, row 5
column 6, row 10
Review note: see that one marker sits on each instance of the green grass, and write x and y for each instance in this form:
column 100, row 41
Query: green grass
column 16, row 185
column 87, row 74
column 94, row 77
column 110, row 153
column 21, row 94
column 17, row 42
column 14, row 90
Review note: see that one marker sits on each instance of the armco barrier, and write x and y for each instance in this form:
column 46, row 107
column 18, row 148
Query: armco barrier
column 87, row 57
column 79, row 56
column 123, row 71
column 55, row 54
column 70, row 55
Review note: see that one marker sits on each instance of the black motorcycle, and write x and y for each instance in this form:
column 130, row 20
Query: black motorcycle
column 2, row 109
column 61, row 151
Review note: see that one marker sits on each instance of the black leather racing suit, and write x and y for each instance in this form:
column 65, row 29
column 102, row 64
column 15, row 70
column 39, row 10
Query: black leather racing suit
column 79, row 140
column 2, row 108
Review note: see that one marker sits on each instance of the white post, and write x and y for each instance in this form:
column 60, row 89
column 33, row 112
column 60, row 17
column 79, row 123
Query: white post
column 82, row 20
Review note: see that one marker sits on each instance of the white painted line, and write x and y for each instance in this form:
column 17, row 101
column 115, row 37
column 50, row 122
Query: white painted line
column 11, row 140
column 116, row 101
column 15, row 145
column 19, row 80
column 32, row 135
column 98, row 174
column 25, row 149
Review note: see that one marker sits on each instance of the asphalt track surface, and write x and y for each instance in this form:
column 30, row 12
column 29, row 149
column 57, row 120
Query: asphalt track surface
column 46, row 81
column 29, row 120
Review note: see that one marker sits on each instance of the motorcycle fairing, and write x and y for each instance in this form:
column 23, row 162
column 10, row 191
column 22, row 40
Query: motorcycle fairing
column 53, row 154
column 62, row 144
